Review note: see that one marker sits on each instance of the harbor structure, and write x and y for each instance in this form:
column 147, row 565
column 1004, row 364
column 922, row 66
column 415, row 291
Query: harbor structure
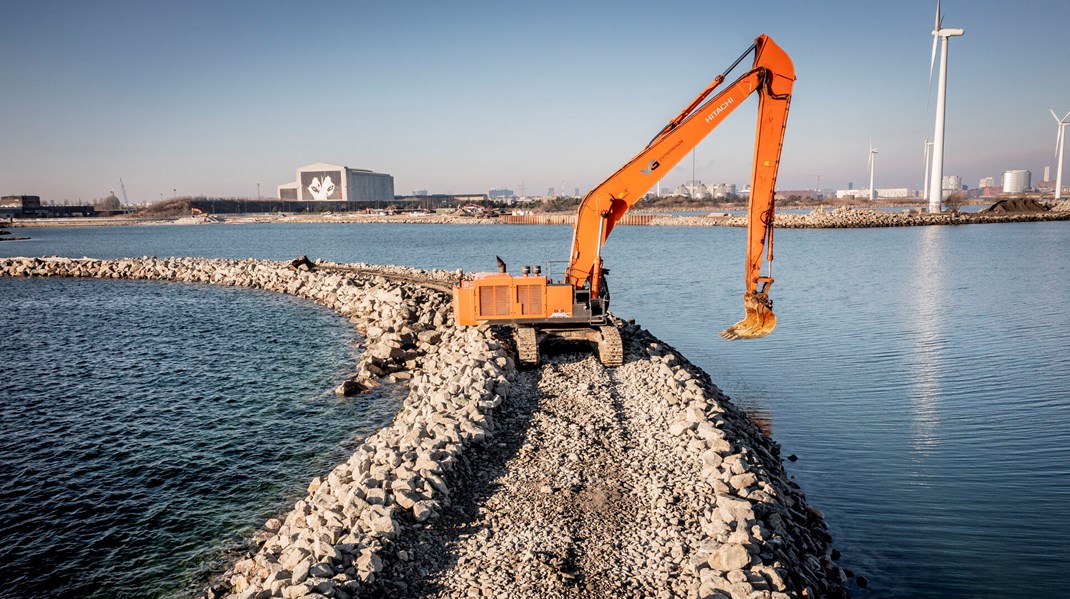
column 30, row 206
column 322, row 181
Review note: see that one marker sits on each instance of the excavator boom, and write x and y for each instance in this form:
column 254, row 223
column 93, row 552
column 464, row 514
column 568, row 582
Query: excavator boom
column 577, row 306
column 772, row 77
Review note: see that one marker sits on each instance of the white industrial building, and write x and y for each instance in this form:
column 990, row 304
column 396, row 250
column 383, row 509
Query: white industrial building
column 1016, row 181
column 323, row 181
column 722, row 190
column 890, row 192
column 952, row 183
column 712, row 191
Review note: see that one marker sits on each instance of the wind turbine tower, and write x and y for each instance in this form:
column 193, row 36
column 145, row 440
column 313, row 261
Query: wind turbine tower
column 928, row 163
column 872, row 164
column 1060, row 139
column 936, row 184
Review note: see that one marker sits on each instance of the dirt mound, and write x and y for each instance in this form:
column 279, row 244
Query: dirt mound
column 1016, row 206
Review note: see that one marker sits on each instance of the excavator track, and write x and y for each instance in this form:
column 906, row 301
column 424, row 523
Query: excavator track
column 610, row 347
column 527, row 345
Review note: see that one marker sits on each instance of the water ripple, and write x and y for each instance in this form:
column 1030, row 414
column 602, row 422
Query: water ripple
column 148, row 425
column 920, row 374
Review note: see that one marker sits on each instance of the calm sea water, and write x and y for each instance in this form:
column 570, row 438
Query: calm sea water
column 920, row 374
column 146, row 427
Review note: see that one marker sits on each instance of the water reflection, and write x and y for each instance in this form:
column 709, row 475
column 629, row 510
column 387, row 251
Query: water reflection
column 927, row 360
column 760, row 414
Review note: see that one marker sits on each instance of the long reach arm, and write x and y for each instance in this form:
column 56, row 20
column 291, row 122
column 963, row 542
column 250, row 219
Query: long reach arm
column 772, row 77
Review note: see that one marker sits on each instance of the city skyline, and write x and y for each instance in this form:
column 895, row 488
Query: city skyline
column 221, row 100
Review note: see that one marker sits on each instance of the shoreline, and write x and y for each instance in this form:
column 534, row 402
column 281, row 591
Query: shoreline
column 715, row 512
column 817, row 218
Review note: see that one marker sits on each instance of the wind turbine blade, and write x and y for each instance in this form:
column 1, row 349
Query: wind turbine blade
column 1065, row 117
column 932, row 65
column 1055, row 116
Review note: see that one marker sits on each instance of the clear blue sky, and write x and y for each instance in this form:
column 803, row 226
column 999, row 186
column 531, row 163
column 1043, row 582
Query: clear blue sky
column 215, row 97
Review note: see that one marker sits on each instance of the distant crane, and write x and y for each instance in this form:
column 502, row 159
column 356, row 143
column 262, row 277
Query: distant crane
column 818, row 188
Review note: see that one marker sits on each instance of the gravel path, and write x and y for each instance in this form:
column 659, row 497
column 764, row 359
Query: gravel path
column 584, row 492
column 556, row 508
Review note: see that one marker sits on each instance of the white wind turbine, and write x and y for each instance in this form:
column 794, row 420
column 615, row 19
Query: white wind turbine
column 1060, row 138
column 872, row 164
column 936, row 187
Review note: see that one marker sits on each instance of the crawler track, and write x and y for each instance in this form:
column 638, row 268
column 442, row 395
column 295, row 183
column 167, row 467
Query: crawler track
column 527, row 345
column 610, row 348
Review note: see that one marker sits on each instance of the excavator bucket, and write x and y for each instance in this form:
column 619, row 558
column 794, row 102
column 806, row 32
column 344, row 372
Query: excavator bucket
column 758, row 322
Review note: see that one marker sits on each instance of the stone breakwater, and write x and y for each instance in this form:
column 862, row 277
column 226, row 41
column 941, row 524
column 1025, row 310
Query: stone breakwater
column 847, row 217
column 565, row 480
column 843, row 217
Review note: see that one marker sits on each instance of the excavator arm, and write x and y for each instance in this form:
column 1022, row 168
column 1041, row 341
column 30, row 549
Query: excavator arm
column 771, row 76
column 576, row 308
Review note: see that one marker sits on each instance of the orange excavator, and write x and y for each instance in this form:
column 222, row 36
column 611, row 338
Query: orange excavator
column 576, row 307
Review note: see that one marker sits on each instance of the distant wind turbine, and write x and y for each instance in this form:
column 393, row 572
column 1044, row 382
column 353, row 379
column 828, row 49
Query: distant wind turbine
column 936, row 187
column 1060, row 139
column 872, row 165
